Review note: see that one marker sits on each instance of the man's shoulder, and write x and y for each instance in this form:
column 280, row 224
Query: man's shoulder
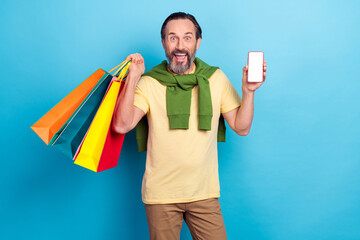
column 146, row 78
column 148, row 82
column 218, row 75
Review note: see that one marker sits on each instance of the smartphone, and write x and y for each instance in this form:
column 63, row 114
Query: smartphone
column 256, row 65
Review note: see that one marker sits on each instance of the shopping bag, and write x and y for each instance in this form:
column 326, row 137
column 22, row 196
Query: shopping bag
column 70, row 136
column 54, row 119
column 112, row 149
column 101, row 146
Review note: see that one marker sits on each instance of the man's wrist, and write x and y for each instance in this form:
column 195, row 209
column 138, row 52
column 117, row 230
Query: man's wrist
column 248, row 92
column 133, row 79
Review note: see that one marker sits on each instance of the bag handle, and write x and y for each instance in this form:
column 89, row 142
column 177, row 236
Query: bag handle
column 122, row 68
column 123, row 73
column 119, row 66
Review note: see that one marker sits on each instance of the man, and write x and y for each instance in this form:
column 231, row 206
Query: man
column 183, row 101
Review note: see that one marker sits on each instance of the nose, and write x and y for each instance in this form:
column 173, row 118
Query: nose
column 180, row 45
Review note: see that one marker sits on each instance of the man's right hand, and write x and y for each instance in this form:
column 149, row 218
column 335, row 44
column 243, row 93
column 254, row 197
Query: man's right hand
column 137, row 66
column 126, row 115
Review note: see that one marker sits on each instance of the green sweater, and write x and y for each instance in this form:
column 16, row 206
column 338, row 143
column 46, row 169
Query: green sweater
column 178, row 100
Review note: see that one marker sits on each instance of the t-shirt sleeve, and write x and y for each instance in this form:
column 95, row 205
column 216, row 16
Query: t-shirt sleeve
column 141, row 96
column 230, row 99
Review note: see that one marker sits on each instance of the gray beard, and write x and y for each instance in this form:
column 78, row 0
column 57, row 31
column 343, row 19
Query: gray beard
column 179, row 68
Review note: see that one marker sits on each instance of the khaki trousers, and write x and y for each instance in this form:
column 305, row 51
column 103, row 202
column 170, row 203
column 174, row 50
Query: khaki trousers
column 203, row 218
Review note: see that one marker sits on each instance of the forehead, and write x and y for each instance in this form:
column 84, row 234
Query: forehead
column 180, row 26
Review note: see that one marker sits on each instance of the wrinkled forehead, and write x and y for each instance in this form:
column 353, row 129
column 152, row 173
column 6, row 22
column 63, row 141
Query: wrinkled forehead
column 180, row 27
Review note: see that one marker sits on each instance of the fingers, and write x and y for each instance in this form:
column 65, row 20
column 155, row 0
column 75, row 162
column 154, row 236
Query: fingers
column 264, row 75
column 135, row 58
column 264, row 64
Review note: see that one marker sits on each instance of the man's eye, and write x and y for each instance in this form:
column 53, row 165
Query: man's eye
column 187, row 38
column 173, row 38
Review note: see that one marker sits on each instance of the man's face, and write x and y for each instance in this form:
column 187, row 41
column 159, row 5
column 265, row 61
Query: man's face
column 180, row 45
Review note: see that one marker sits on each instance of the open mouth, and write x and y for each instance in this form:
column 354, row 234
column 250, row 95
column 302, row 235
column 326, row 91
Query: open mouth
column 180, row 57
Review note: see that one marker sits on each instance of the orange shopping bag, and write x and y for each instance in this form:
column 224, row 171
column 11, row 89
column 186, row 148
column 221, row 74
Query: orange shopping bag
column 53, row 120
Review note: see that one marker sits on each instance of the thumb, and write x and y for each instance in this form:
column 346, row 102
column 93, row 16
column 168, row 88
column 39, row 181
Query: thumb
column 245, row 70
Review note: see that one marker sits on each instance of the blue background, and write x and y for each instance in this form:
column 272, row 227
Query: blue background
column 295, row 176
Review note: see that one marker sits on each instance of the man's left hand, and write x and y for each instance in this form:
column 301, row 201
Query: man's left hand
column 251, row 87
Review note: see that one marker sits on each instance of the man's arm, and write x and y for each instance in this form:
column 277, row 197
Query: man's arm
column 126, row 115
column 240, row 118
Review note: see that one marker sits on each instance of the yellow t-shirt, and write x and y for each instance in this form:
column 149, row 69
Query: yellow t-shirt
column 182, row 164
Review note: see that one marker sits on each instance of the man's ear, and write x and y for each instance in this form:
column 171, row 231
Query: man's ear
column 198, row 41
column 163, row 43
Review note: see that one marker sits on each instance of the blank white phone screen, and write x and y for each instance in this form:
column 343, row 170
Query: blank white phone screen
column 255, row 72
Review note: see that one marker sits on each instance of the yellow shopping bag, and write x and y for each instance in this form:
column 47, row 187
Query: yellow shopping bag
column 91, row 149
